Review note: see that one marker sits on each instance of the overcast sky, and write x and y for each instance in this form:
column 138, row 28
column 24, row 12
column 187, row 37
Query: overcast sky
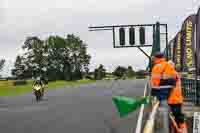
column 22, row 18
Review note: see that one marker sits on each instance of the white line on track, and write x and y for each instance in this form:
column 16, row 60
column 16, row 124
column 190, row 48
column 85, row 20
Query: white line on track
column 139, row 121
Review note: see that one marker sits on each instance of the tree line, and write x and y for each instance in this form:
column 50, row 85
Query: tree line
column 56, row 58
column 119, row 72
column 2, row 62
column 61, row 58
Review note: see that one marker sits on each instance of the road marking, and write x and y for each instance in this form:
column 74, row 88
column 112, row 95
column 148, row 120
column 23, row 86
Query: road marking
column 139, row 121
column 3, row 109
column 24, row 109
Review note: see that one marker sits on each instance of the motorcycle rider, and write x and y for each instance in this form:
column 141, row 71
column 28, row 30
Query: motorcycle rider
column 44, row 83
column 40, row 83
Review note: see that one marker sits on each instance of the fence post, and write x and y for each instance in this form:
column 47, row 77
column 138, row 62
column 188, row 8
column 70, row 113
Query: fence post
column 197, row 92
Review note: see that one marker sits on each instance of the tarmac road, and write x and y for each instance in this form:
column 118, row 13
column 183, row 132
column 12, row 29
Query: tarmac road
column 84, row 109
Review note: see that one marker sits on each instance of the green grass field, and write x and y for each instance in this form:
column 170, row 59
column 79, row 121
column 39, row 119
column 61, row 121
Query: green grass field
column 10, row 90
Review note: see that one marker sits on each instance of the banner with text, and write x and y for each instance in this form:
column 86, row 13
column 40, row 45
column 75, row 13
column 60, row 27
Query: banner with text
column 171, row 49
column 188, row 43
column 177, row 53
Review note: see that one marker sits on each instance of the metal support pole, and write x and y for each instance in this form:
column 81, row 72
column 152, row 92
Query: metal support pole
column 146, row 56
column 157, row 36
column 101, row 29
column 154, row 40
column 196, row 82
column 167, row 50
column 197, row 101
column 113, row 30
column 144, row 52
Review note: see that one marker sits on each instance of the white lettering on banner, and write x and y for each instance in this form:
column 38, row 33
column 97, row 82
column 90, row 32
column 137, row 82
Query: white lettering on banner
column 178, row 51
column 196, row 122
column 189, row 44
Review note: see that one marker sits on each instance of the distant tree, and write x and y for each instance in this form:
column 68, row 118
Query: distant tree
column 141, row 73
column 130, row 72
column 59, row 63
column 96, row 74
column 68, row 56
column 78, row 54
column 120, row 71
column 2, row 62
column 100, row 72
column 19, row 68
column 55, row 58
column 35, row 56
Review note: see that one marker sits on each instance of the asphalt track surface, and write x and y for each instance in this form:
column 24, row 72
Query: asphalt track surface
column 84, row 109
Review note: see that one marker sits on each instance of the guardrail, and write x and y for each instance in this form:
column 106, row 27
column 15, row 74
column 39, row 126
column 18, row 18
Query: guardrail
column 158, row 120
column 159, row 114
column 191, row 92
column 149, row 127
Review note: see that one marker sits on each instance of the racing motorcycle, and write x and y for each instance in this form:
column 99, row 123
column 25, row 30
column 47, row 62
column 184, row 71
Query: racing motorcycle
column 38, row 91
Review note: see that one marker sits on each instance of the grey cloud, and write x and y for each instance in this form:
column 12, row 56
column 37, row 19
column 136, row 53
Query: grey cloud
column 97, row 5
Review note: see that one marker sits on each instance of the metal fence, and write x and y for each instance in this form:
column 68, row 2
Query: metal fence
column 191, row 90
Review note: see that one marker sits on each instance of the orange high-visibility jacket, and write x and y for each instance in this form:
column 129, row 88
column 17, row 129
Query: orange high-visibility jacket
column 161, row 70
column 176, row 96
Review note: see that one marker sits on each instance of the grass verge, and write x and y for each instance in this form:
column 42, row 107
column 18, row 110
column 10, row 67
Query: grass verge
column 22, row 89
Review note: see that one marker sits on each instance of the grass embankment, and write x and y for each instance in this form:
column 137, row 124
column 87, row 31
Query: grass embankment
column 7, row 89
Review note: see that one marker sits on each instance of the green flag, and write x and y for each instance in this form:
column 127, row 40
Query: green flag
column 126, row 105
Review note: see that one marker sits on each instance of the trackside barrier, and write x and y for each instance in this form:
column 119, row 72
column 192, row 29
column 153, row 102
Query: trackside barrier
column 191, row 90
column 149, row 127
column 158, row 117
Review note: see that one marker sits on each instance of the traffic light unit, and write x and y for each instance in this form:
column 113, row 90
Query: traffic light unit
column 122, row 36
column 142, row 35
column 132, row 36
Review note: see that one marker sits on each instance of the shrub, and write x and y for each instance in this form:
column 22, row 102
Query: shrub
column 19, row 82
column 140, row 77
column 11, row 78
column 88, row 77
